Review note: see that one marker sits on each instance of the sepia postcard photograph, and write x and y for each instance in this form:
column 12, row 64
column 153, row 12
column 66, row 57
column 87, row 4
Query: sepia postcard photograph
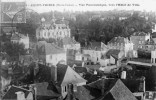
column 77, row 49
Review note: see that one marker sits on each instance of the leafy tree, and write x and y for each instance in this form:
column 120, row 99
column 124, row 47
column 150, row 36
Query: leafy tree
column 14, row 49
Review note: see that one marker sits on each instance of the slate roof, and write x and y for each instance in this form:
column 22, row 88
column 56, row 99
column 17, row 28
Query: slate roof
column 17, row 36
column 50, row 48
column 68, row 40
column 10, row 94
column 94, row 46
column 86, row 92
column 72, row 62
column 53, row 49
column 61, row 71
column 80, row 69
column 45, row 91
column 119, row 92
column 112, row 52
column 43, row 74
column 118, row 40
column 131, row 84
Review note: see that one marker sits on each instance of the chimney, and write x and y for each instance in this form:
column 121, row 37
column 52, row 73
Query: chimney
column 95, row 72
column 54, row 73
column 20, row 95
column 144, row 88
column 33, row 89
column 73, row 38
column 70, row 92
column 123, row 75
column 83, row 64
column 103, row 85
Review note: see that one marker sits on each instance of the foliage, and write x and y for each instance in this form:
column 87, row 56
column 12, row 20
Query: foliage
column 14, row 49
column 86, row 28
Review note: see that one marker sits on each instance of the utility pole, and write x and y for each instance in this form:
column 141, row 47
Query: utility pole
column 0, row 26
column 0, row 17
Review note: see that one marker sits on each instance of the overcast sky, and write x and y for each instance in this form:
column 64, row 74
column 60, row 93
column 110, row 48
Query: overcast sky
column 87, row 5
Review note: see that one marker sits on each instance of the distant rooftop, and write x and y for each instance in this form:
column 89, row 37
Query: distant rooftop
column 118, row 40
column 139, row 34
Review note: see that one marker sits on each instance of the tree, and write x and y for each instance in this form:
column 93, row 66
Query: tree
column 14, row 50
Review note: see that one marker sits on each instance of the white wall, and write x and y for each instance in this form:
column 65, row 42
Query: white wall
column 104, row 62
column 153, row 56
column 55, row 58
column 72, row 46
column 25, row 41
column 147, row 37
column 154, row 29
column 112, row 60
column 128, row 47
column 94, row 55
column 54, row 33
column 30, row 96
column 78, row 57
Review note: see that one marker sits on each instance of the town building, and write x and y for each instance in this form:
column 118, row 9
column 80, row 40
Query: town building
column 71, row 43
column 139, row 39
column 149, row 45
column 121, row 43
column 153, row 56
column 44, row 91
column 64, row 75
column 112, row 57
column 18, row 93
column 53, row 29
column 95, row 51
column 118, row 92
column 20, row 38
column 153, row 27
column 50, row 53
column 102, row 89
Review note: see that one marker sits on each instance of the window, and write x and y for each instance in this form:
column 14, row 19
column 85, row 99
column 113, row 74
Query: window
column 152, row 60
column 51, row 57
column 48, row 33
column 65, row 89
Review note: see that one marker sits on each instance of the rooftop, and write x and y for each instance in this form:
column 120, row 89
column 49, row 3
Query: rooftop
column 139, row 34
column 49, row 48
column 68, row 40
column 18, row 36
column 94, row 46
column 46, row 91
column 11, row 93
column 118, row 40
column 112, row 52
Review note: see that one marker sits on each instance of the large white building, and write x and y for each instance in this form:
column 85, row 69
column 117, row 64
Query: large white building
column 53, row 29
column 123, row 44
column 95, row 50
column 50, row 53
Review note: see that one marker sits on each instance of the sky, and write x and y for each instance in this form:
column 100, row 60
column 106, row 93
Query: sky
column 41, row 6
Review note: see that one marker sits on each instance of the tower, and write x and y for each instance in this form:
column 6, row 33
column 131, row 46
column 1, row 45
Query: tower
column 53, row 17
